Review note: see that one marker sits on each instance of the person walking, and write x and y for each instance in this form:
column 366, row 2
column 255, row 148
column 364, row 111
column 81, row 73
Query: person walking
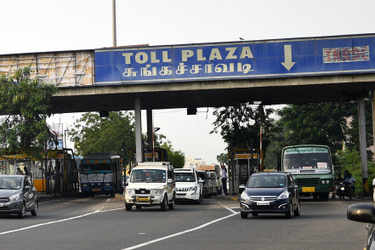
column 224, row 176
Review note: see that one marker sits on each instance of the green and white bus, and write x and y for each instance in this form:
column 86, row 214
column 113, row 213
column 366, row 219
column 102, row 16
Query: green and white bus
column 312, row 168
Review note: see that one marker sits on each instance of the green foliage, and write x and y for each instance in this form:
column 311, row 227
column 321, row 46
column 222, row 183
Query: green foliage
column 114, row 134
column 176, row 158
column 239, row 125
column 223, row 159
column 350, row 160
column 26, row 102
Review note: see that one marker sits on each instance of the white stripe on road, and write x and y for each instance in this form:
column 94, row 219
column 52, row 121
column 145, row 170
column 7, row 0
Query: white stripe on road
column 47, row 223
column 228, row 208
column 180, row 233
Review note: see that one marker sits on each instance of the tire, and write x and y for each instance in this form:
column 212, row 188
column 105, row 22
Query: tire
column 290, row 213
column 138, row 207
column 34, row 211
column 255, row 214
column 243, row 215
column 164, row 204
column 128, row 207
column 323, row 196
column 22, row 212
column 199, row 201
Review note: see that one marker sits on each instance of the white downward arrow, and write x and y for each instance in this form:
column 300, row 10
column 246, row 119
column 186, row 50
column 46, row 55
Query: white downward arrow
column 288, row 63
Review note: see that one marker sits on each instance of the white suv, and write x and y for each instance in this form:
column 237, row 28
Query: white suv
column 151, row 184
column 188, row 187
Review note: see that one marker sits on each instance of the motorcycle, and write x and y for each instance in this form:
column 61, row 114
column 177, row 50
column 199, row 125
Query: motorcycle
column 344, row 189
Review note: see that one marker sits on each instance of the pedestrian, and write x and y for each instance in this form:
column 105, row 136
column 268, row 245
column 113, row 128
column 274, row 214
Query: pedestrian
column 224, row 176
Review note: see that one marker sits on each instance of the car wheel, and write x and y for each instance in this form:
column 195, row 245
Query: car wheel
column 34, row 211
column 290, row 212
column 164, row 204
column 22, row 212
column 243, row 215
column 255, row 214
column 138, row 207
column 128, row 207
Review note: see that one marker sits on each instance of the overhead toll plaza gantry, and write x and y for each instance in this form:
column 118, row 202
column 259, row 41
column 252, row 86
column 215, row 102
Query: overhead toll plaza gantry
column 279, row 71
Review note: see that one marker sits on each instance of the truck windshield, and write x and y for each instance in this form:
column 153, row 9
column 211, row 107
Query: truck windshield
column 267, row 181
column 148, row 175
column 185, row 177
column 93, row 167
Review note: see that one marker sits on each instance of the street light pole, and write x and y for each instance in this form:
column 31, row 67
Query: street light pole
column 114, row 34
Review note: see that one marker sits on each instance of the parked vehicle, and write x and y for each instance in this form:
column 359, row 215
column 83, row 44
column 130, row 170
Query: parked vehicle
column 151, row 184
column 270, row 193
column 188, row 187
column 17, row 195
column 101, row 174
column 204, row 182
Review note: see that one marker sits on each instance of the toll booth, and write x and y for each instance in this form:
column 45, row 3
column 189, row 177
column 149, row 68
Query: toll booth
column 245, row 162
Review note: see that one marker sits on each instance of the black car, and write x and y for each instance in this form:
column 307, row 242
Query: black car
column 270, row 193
column 364, row 212
column 17, row 195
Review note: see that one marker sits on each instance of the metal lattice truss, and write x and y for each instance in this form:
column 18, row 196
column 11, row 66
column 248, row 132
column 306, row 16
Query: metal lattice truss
column 63, row 69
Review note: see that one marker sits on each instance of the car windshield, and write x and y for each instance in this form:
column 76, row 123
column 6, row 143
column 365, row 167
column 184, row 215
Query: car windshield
column 148, row 175
column 10, row 182
column 185, row 177
column 267, row 181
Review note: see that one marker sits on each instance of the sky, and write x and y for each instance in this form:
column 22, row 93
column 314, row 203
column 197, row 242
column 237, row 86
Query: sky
column 55, row 25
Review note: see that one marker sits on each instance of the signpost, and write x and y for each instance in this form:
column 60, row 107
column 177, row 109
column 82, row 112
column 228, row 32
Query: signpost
column 236, row 60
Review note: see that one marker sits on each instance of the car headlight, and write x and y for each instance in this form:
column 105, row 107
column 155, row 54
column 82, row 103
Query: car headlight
column 244, row 197
column 130, row 192
column 14, row 197
column 157, row 192
column 284, row 195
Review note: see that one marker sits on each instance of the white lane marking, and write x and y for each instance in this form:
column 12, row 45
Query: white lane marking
column 48, row 223
column 228, row 208
column 112, row 209
column 235, row 207
column 180, row 233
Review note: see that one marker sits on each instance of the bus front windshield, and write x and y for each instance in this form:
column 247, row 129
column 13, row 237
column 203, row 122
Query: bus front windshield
column 307, row 159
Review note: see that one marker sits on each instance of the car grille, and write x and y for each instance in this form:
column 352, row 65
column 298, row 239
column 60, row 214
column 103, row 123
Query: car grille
column 308, row 181
column 263, row 198
column 3, row 200
column 142, row 191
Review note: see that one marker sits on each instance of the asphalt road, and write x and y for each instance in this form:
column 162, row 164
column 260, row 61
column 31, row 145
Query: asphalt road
column 102, row 223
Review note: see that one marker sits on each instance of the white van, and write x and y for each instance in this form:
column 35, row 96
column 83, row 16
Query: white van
column 151, row 184
column 188, row 186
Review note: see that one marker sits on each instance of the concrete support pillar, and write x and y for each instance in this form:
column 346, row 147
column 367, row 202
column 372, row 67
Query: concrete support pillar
column 363, row 144
column 138, row 130
column 150, row 127
column 373, row 119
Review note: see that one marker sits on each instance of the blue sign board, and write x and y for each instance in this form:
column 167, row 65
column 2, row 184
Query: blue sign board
column 236, row 60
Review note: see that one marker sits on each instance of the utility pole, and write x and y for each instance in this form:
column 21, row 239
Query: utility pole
column 114, row 34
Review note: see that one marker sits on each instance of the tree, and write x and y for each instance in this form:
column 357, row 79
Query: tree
column 114, row 134
column 27, row 104
column 223, row 159
column 239, row 125
column 176, row 158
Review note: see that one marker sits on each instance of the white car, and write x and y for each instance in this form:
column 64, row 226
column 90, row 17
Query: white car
column 188, row 186
column 151, row 184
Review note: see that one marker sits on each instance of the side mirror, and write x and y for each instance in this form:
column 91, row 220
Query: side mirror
column 201, row 181
column 241, row 188
column 170, row 181
column 28, row 187
column 361, row 212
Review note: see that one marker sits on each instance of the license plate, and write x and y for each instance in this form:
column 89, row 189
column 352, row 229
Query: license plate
column 143, row 199
column 308, row 189
column 263, row 203
column 96, row 189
